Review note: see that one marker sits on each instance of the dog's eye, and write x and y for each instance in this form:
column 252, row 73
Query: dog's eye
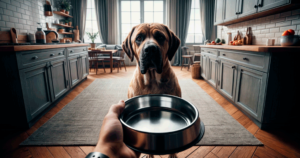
column 161, row 38
column 139, row 39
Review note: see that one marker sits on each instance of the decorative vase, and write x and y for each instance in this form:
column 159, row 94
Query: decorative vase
column 67, row 12
column 70, row 23
column 93, row 45
column 63, row 10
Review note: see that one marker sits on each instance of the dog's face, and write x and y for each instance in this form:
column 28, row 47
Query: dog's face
column 152, row 45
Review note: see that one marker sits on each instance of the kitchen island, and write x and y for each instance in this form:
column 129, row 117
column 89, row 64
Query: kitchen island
column 35, row 77
column 261, row 81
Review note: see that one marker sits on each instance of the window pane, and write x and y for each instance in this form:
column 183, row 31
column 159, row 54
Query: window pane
column 89, row 3
column 198, row 38
column 135, row 17
column 192, row 16
column 148, row 6
column 158, row 6
column 190, row 38
column 94, row 26
column 197, row 5
column 125, row 17
column 135, row 6
column 92, row 4
column 197, row 26
column 126, row 28
column 93, row 11
column 193, row 3
column 148, row 17
column 125, row 5
column 132, row 25
column 124, row 37
column 197, row 13
column 159, row 17
column 88, row 14
column 191, row 27
column 88, row 25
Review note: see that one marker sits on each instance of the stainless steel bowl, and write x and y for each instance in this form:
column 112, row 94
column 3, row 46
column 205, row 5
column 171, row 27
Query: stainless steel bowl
column 289, row 40
column 160, row 124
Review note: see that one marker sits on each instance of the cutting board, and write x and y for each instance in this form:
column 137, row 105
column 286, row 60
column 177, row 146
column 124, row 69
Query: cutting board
column 76, row 34
column 50, row 36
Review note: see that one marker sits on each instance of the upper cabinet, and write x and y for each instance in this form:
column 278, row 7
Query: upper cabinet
column 233, row 11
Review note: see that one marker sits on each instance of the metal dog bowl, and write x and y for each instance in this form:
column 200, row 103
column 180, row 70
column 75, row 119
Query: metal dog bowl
column 160, row 124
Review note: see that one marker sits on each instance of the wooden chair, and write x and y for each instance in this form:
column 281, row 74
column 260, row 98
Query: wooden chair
column 186, row 57
column 93, row 58
column 197, row 53
column 121, row 60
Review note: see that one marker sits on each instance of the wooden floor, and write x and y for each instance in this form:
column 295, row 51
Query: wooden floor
column 276, row 143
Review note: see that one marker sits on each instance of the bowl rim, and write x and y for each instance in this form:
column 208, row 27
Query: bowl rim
column 158, row 133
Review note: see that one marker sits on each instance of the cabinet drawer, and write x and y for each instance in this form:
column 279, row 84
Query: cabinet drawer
column 30, row 58
column 253, row 60
column 210, row 51
column 75, row 50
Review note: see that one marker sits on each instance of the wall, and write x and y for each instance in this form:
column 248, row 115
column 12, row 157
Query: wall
column 266, row 27
column 24, row 15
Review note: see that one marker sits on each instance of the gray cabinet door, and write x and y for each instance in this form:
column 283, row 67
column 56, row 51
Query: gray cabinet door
column 270, row 4
column 36, row 90
column 230, row 10
column 247, row 7
column 204, row 66
column 212, row 70
column 227, row 79
column 250, row 92
column 219, row 12
column 58, row 77
column 74, row 70
column 84, row 65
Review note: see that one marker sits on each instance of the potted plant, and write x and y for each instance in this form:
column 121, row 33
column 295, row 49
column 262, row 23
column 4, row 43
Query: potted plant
column 62, row 5
column 66, row 22
column 92, row 36
column 68, row 7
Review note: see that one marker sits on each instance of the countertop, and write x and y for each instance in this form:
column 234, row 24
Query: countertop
column 253, row 48
column 16, row 48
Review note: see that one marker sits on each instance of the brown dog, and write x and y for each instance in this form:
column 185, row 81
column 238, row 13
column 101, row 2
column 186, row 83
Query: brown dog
column 152, row 45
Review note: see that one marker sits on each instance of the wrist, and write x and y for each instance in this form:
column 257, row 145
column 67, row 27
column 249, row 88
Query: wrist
column 104, row 149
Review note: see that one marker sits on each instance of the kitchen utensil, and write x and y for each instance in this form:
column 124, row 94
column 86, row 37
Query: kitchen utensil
column 270, row 42
column 62, row 40
column 289, row 40
column 76, row 34
column 160, row 124
column 248, row 36
column 50, row 35
column 31, row 37
column 239, row 37
column 40, row 35
column 14, row 35
column 229, row 37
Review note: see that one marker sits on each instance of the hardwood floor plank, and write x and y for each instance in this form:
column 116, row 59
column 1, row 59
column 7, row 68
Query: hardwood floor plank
column 243, row 151
column 202, row 151
column 31, row 130
column 184, row 153
column 266, row 152
column 223, row 151
column 13, row 143
column 87, row 149
column 40, row 152
column 58, row 152
column 40, row 122
column 75, row 151
column 211, row 155
column 21, row 152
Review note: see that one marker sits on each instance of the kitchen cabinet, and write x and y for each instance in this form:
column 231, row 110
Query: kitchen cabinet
column 227, row 79
column 59, row 77
column 212, row 70
column 219, row 9
column 84, row 65
column 247, row 7
column 230, row 10
column 204, row 65
column 250, row 91
column 74, row 67
column 270, row 4
column 36, row 89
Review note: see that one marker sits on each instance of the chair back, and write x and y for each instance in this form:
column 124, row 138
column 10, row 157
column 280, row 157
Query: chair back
column 184, row 50
column 197, row 50
column 94, row 55
column 122, row 54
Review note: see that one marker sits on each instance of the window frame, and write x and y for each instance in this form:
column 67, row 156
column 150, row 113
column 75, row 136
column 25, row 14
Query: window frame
column 194, row 33
column 86, row 40
column 141, row 13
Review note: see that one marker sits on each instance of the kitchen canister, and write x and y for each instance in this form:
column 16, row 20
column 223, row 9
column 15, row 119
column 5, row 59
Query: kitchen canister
column 270, row 42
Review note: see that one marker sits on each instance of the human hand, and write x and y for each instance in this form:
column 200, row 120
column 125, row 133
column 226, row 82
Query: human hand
column 110, row 140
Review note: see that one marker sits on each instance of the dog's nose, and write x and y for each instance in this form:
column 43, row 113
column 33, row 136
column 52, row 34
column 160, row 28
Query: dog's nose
column 150, row 48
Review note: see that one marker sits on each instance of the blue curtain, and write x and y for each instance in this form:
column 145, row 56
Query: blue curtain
column 101, row 13
column 207, row 19
column 182, row 25
column 79, row 16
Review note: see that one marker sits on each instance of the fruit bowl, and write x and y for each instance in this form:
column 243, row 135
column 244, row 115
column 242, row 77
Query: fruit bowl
column 289, row 40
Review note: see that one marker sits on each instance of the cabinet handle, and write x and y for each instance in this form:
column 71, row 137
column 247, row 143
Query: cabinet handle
column 233, row 67
column 71, row 51
column 51, row 55
column 260, row 5
column 59, row 53
column 242, row 70
column 83, row 49
column 224, row 54
column 245, row 59
column 255, row 6
column 35, row 57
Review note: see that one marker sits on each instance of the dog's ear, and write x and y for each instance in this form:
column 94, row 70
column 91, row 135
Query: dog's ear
column 174, row 43
column 127, row 47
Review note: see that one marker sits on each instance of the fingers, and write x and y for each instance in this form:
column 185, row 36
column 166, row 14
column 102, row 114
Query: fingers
column 117, row 109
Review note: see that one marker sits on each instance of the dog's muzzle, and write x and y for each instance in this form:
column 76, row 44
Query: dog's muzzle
column 151, row 58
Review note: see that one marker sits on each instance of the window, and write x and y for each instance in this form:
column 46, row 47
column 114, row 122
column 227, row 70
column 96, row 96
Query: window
column 195, row 31
column 134, row 12
column 91, row 22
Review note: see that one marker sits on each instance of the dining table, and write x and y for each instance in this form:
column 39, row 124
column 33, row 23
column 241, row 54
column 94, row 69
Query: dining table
column 110, row 58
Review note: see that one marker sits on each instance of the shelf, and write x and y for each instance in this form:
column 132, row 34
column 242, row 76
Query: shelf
column 63, row 25
column 62, row 14
column 66, row 33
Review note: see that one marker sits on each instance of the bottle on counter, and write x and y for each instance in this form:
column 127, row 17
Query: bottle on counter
column 40, row 35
